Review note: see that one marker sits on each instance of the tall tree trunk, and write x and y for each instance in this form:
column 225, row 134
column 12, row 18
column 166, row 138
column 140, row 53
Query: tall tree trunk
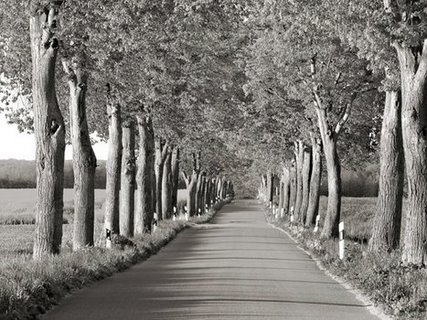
column 127, row 190
column 218, row 189
column 191, row 183
column 332, row 219
column 316, row 175
column 299, row 158
column 49, row 130
column 175, row 177
column 161, row 152
column 114, row 164
column 281, row 196
column 306, row 172
column 207, row 193
column 270, row 189
column 293, row 188
column 388, row 216
column 167, row 187
column 413, row 70
column 144, row 179
column 286, row 190
column 84, row 160
column 213, row 192
column 198, row 196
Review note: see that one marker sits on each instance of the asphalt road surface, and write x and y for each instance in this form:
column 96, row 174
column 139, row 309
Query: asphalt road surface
column 237, row 267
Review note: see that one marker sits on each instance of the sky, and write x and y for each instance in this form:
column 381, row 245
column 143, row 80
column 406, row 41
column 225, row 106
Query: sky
column 22, row 146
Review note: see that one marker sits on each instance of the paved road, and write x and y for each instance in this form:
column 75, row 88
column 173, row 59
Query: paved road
column 235, row 268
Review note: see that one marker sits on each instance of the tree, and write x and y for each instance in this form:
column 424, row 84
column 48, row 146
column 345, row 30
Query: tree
column 49, row 129
column 316, row 174
column 145, row 179
column 127, row 190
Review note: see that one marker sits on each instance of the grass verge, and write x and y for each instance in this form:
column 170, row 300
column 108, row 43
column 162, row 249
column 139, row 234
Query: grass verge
column 399, row 290
column 29, row 288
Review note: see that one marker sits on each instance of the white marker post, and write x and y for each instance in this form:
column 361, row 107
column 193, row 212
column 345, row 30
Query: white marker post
column 342, row 242
column 316, row 228
column 292, row 214
column 270, row 205
column 108, row 243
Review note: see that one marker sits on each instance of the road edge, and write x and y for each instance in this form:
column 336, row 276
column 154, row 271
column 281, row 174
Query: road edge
column 359, row 295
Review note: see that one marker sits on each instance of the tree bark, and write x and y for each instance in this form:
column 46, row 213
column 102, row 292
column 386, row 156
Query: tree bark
column 270, row 188
column 127, row 192
column 316, row 175
column 175, row 177
column 144, row 179
column 114, row 164
column 281, row 196
column 413, row 70
column 293, row 188
column 207, row 194
column 306, row 172
column 388, row 216
column 286, row 190
column 49, row 130
column 84, row 160
column 191, row 183
column 161, row 152
column 299, row 158
column 332, row 219
column 218, row 189
column 167, row 187
column 213, row 191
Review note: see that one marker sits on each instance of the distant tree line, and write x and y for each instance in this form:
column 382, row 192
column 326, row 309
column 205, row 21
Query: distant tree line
column 20, row 174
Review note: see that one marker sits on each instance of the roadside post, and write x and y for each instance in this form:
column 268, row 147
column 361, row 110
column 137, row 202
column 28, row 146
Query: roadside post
column 108, row 243
column 341, row 240
column 316, row 228
column 174, row 214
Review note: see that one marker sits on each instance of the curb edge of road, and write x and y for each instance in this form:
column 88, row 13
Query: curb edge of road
column 374, row 310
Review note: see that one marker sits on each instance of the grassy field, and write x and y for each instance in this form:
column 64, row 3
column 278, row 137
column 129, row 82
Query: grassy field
column 17, row 206
column 357, row 214
column 17, row 216
column 17, row 213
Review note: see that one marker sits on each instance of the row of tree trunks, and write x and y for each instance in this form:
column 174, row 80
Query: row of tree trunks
column 300, row 183
column 203, row 192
